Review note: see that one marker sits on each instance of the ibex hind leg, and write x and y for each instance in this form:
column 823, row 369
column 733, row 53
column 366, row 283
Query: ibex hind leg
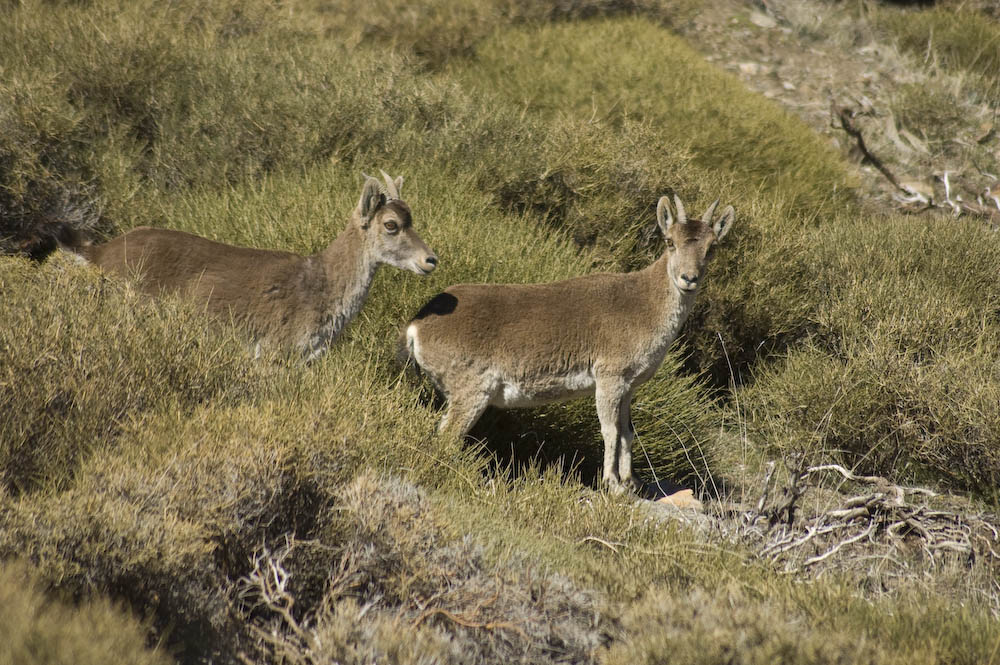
column 463, row 412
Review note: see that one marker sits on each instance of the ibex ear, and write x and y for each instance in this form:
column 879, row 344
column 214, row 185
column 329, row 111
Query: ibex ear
column 399, row 184
column 663, row 215
column 724, row 223
column 372, row 199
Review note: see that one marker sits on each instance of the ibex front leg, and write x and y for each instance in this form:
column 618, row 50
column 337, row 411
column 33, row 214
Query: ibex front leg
column 609, row 394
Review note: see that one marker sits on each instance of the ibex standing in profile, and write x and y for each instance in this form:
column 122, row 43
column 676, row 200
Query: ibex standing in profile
column 604, row 334
column 284, row 298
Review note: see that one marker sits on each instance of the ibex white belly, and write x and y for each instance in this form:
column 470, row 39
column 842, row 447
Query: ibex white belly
column 514, row 392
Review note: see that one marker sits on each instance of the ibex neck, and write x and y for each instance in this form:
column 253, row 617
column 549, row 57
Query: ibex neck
column 671, row 305
column 349, row 270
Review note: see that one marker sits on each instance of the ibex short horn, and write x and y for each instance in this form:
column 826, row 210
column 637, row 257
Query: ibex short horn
column 392, row 187
column 601, row 335
column 285, row 299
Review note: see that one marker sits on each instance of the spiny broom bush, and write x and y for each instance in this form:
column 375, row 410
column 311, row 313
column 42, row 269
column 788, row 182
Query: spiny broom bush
column 521, row 613
column 47, row 631
column 744, row 144
column 730, row 625
column 169, row 519
column 174, row 525
column 438, row 31
column 899, row 377
column 82, row 355
column 182, row 94
column 703, row 628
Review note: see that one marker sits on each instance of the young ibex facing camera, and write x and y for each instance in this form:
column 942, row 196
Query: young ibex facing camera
column 511, row 345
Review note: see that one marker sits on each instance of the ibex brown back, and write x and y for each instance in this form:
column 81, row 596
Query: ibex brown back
column 605, row 334
column 284, row 298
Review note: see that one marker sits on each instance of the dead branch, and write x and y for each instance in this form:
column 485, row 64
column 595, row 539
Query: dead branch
column 845, row 116
column 268, row 581
column 611, row 546
column 836, row 548
column 468, row 623
column 872, row 480
column 980, row 208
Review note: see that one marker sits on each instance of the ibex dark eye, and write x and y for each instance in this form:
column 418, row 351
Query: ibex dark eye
column 391, row 227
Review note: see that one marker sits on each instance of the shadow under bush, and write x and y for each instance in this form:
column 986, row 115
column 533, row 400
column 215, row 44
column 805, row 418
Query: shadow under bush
column 672, row 415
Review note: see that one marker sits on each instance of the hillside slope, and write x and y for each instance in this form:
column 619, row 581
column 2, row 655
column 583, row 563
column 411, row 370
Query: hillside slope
column 834, row 399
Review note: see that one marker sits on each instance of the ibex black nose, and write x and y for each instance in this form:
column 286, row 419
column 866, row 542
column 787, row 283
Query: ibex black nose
column 689, row 279
column 432, row 260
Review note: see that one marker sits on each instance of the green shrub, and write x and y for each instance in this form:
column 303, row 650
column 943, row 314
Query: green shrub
column 653, row 81
column 438, row 31
column 150, row 460
column 84, row 355
column 896, row 378
column 170, row 518
column 732, row 627
column 44, row 631
column 180, row 95
column 887, row 411
column 957, row 36
column 132, row 142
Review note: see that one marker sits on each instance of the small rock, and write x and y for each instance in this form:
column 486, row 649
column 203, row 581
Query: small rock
column 762, row 20
column 683, row 499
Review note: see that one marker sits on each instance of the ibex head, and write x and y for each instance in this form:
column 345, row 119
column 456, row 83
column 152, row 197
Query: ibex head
column 388, row 227
column 690, row 241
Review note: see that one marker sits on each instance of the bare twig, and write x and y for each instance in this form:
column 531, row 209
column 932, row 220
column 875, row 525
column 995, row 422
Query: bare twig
column 611, row 546
column 843, row 118
column 468, row 623
column 836, row 548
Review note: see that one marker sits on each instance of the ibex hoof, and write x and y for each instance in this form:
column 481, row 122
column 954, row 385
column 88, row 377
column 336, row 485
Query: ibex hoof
column 618, row 487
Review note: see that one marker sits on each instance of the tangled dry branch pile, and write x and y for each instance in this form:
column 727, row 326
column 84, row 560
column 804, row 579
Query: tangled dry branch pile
column 879, row 523
column 914, row 198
